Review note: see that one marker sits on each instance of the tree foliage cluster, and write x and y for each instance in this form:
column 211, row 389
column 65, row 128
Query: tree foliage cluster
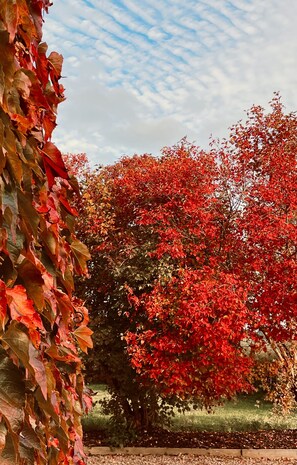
column 41, row 326
column 193, row 264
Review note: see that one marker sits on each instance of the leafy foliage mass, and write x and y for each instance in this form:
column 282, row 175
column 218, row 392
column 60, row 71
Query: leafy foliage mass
column 41, row 386
column 193, row 266
column 161, row 292
column 262, row 165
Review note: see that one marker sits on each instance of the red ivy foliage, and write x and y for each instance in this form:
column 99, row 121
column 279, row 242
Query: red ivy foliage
column 41, row 326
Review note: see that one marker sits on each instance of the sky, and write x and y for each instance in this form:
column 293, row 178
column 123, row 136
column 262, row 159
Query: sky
column 142, row 74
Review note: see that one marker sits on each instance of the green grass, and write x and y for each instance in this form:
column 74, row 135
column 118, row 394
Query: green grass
column 247, row 413
column 95, row 420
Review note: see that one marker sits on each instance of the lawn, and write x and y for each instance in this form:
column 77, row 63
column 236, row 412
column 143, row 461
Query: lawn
column 247, row 413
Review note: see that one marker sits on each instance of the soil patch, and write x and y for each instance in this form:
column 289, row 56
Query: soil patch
column 268, row 439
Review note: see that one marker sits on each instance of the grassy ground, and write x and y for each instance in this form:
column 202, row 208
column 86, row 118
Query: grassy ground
column 247, row 413
column 95, row 420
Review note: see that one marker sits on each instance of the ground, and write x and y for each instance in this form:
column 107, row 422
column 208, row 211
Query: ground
column 270, row 439
column 183, row 460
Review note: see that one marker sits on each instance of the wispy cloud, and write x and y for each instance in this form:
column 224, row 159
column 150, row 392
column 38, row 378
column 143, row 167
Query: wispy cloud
column 141, row 75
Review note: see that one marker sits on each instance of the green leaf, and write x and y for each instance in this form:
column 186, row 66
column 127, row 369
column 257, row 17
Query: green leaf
column 9, row 202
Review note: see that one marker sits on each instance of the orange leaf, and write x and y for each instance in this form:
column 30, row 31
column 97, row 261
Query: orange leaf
column 21, row 308
column 11, row 18
column 83, row 336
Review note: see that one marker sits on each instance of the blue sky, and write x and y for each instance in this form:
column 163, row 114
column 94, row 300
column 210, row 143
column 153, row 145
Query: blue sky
column 142, row 74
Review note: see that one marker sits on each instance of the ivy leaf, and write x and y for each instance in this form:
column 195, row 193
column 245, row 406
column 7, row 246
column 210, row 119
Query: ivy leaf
column 8, row 455
column 18, row 341
column 39, row 369
column 56, row 61
column 29, row 442
column 81, row 254
column 83, row 337
column 53, row 162
column 28, row 212
column 42, row 64
column 33, row 282
column 13, row 158
column 10, row 16
column 12, row 393
column 20, row 344
column 21, row 308
column 3, row 433
column 3, row 305
column 2, row 84
column 36, row 228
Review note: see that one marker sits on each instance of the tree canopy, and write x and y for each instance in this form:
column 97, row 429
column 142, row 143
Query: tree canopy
column 162, row 295
column 193, row 258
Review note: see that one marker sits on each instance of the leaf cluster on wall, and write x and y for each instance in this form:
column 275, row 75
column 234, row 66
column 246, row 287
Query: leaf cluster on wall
column 41, row 385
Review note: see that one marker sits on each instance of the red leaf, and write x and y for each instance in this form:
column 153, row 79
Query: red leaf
column 67, row 206
column 54, row 164
column 39, row 369
column 42, row 64
column 22, row 309
column 3, row 305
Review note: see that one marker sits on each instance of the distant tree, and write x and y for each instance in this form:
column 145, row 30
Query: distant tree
column 41, row 326
column 260, row 159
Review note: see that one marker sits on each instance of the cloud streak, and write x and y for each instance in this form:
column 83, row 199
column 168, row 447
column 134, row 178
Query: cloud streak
column 143, row 75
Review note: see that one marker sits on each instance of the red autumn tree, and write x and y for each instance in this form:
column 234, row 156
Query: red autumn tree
column 41, row 326
column 194, row 253
column 161, row 294
column 260, row 159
